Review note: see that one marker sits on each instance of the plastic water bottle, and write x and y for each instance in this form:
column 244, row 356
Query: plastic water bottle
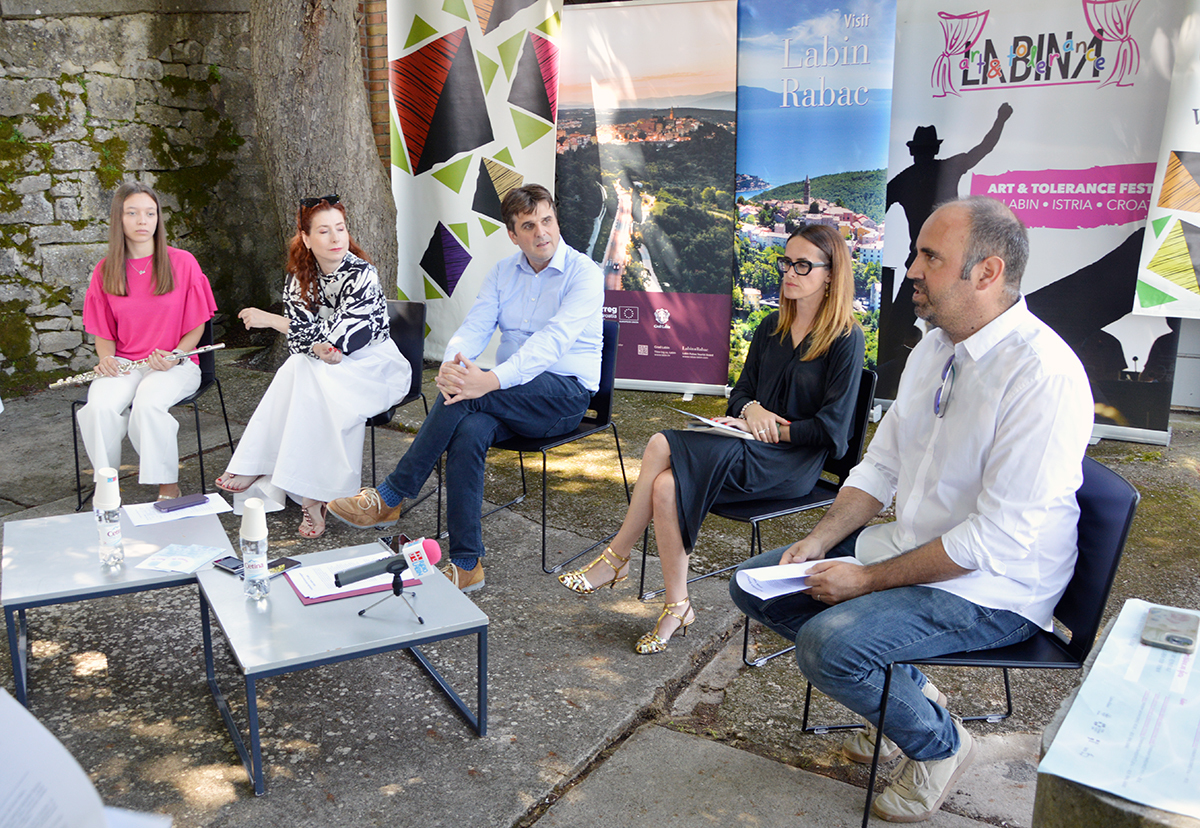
column 106, row 504
column 253, row 544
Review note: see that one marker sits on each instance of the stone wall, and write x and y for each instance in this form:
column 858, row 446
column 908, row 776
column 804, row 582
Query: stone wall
column 89, row 101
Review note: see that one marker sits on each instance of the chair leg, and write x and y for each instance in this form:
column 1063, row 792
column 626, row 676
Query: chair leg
column 374, row 474
column 199, row 447
column 79, row 498
column 221, row 396
column 887, row 686
column 1008, row 705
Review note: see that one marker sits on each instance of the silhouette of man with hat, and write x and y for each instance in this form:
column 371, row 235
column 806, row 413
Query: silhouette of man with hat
column 930, row 181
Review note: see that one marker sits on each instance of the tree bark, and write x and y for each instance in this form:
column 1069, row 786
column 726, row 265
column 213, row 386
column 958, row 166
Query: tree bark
column 314, row 124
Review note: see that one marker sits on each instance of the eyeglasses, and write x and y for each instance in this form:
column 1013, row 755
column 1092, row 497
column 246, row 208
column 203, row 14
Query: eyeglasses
column 330, row 199
column 941, row 400
column 803, row 267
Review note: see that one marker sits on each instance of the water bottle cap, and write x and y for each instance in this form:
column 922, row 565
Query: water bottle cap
column 254, row 520
column 108, row 490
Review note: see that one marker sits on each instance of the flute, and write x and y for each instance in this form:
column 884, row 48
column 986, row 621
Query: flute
column 127, row 366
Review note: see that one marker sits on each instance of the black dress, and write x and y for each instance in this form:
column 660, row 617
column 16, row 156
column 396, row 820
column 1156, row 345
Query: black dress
column 818, row 397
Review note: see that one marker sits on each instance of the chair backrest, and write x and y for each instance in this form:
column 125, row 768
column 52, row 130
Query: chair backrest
column 1107, row 502
column 841, row 466
column 208, row 360
column 602, row 400
column 406, row 322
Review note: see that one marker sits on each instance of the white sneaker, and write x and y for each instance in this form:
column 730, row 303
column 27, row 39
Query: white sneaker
column 860, row 745
column 921, row 787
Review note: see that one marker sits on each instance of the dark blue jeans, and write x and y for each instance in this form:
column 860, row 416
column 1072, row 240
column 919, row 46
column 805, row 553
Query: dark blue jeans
column 547, row 405
column 844, row 649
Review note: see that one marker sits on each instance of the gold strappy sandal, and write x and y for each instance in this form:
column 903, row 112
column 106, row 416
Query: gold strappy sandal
column 652, row 642
column 576, row 580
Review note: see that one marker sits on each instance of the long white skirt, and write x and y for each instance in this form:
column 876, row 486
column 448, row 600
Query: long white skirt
column 307, row 432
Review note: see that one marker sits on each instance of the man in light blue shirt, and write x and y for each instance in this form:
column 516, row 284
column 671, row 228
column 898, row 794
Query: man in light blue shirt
column 545, row 301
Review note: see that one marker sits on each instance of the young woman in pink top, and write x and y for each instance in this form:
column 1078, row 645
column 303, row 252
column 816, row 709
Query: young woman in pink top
column 145, row 300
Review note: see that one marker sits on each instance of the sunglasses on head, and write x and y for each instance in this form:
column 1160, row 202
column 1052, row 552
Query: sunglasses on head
column 331, row 200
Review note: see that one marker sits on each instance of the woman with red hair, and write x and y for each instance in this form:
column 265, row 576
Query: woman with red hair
column 307, row 433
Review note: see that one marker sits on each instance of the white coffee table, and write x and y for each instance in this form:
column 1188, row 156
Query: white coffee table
column 55, row 560
column 282, row 635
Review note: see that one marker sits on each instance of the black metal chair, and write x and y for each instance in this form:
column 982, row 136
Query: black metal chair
column 208, row 378
column 755, row 512
column 406, row 322
column 599, row 420
column 1107, row 503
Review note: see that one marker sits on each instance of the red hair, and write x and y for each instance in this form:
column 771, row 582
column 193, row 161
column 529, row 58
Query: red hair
column 301, row 262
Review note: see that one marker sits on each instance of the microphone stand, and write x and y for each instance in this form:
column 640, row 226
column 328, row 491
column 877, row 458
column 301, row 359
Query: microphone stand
column 395, row 567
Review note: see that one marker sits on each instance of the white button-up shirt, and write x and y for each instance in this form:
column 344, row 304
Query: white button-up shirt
column 548, row 321
column 995, row 477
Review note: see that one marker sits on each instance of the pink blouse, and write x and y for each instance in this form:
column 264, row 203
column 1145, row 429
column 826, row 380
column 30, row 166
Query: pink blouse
column 139, row 322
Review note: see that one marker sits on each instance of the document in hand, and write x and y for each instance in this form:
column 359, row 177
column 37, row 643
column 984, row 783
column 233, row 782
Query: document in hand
column 770, row 581
column 712, row 426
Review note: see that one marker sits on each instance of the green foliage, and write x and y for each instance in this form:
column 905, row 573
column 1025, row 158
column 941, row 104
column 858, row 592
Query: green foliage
column 862, row 191
column 576, row 175
column 866, row 274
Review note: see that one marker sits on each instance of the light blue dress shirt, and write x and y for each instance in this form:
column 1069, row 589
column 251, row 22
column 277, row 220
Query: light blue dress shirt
column 548, row 321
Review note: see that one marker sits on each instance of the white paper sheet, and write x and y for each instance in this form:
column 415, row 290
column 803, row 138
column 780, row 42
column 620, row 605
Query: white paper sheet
column 770, row 581
column 42, row 784
column 316, row 580
column 144, row 514
column 713, row 426
column 1134, row 727
column 180, row 558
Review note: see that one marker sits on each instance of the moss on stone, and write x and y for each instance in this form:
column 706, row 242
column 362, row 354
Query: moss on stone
column 8, row 234
column 14, row 147
column 112, row 161
column 51, row 112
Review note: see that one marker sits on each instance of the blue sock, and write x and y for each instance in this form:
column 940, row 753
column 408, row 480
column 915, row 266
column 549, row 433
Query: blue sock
column 465, row 564
column 389, row 495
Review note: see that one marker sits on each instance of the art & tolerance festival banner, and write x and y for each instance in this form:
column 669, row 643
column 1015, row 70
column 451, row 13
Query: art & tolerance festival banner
column 1056, row 107
column 1167, row 281
column 646, row 144
column 814, row 106
column 474, row 99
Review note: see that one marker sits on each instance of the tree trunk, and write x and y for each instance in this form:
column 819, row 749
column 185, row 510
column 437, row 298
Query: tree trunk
column 314, row 125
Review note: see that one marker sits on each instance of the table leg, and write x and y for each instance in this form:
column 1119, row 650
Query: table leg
column 256, row 775
column 251, row 761
column 481, row 668
column 18, row 641
column 479, row 723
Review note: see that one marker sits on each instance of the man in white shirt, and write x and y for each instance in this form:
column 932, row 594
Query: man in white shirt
column 545, row 300
column 982, row 451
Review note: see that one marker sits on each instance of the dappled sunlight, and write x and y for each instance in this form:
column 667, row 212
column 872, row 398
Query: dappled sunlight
column 89, row 664
column 45, row 649
column 206, row 787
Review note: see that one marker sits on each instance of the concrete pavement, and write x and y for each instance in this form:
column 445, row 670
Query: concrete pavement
column 582, row 731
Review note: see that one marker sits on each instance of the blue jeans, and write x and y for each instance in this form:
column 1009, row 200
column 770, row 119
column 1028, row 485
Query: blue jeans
column 844, row 649
column 547, row 405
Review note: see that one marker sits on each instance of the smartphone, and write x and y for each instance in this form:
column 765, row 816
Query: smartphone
column 231, row 564
column 395, row 542
column 180, row 502
column 1171, row 629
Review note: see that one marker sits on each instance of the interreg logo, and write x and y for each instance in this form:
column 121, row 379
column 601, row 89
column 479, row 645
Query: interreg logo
column 662, row 316
column 976, row 62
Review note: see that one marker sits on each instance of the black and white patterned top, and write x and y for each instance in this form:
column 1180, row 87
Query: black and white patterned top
column 351, row 311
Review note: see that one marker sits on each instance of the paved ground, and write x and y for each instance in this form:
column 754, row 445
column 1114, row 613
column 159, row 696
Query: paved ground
column 582, row 731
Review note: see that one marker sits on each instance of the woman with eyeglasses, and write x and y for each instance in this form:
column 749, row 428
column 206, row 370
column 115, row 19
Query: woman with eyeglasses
column 306, row 434
column 795, row 400
column 145, row 300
